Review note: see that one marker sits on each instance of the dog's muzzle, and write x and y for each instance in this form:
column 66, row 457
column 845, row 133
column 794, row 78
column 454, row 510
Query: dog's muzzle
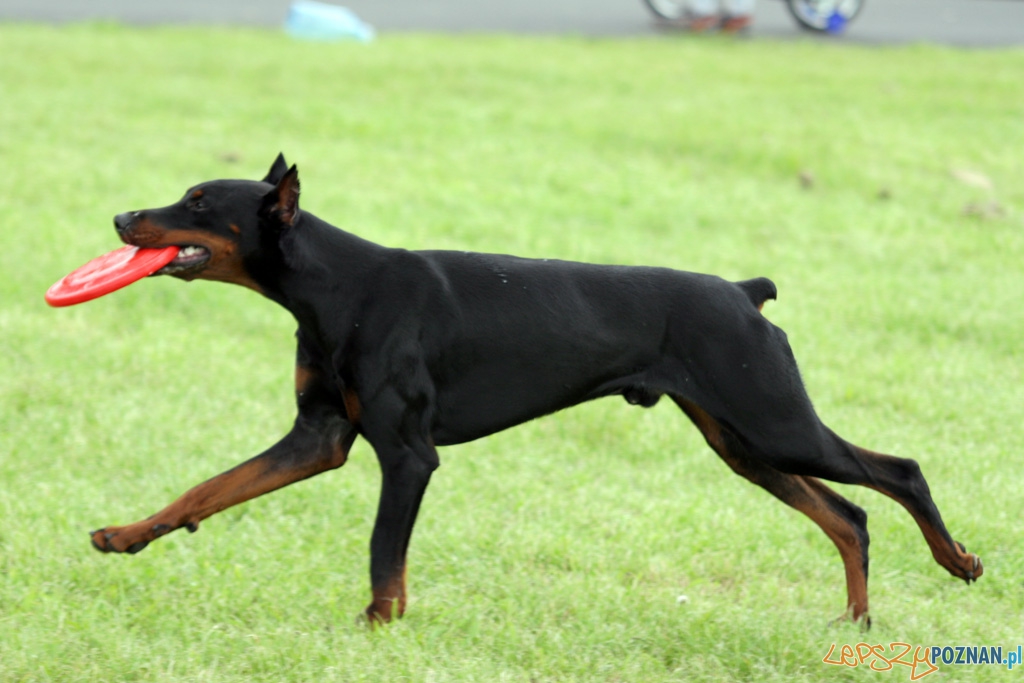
column 123, row 222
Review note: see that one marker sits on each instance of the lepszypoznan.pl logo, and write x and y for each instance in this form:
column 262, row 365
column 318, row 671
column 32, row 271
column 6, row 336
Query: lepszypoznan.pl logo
column 921, row 660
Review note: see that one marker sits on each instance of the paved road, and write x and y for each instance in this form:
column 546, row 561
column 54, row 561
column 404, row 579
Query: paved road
column 954, row 22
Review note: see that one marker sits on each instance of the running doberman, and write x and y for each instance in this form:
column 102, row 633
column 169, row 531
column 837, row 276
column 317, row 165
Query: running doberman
column 418, row 349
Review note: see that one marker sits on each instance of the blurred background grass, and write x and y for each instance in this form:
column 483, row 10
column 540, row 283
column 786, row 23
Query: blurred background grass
column 878, row 187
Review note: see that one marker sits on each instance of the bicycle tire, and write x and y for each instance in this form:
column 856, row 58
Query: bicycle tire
column 824, row 16
column 667, row 10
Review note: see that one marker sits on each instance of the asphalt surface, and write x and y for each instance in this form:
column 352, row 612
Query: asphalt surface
column 974, row 23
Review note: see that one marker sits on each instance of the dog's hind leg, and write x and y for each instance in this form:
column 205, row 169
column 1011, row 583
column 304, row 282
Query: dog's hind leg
column 797, row 443
column 752, row 389
column 901, row 480
column 841, row 520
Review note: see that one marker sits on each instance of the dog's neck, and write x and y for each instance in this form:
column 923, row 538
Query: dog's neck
column 313, row 258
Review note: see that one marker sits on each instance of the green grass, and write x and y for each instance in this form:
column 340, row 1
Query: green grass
column 556, row 551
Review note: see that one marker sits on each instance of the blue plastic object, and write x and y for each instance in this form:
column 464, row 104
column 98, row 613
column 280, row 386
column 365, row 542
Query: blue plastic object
column 836, row 23
column 312, row 20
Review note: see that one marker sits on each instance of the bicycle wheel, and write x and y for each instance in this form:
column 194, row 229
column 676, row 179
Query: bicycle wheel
column 670, row 10
column 824, row 16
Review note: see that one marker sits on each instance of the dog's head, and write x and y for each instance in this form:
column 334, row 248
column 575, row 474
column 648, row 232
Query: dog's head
column 224, row 227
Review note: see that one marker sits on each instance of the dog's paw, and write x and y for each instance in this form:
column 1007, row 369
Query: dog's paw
column 127, row 539
column 370, row 619
column 853, row 615
column 968, row 565
column 977, row 569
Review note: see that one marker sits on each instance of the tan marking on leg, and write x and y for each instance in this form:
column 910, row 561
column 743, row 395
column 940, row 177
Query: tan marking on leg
column 244, row 482
column 953, row 559
column 806, row 494
column 353, row 408
column 389, row 599
column 304, row 376
column 845, row 539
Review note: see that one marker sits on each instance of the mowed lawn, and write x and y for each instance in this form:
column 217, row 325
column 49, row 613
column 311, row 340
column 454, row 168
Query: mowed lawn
column 882, row 189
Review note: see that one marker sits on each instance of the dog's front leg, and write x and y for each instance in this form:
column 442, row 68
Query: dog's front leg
column 406, row 464
column 319, row 441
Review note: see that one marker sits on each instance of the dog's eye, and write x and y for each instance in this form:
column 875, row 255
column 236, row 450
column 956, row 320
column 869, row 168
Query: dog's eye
column 196, row 205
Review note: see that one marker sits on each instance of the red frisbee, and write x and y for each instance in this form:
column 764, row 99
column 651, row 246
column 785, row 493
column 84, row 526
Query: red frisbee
column 108, row 273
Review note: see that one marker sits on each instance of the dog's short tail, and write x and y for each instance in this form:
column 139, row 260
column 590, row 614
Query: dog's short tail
column 758, row 290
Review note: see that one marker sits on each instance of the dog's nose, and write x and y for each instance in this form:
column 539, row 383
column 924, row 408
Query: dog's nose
column 123, row 221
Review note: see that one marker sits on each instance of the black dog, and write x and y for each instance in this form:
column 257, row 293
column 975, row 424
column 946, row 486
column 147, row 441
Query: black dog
column 414, row 350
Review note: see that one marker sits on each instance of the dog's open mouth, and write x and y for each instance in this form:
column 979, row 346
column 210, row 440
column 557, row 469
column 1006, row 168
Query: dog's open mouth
column 188, row 259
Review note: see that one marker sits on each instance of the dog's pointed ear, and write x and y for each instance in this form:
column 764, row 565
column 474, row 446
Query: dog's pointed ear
column 281, row 205
column 277, row 170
